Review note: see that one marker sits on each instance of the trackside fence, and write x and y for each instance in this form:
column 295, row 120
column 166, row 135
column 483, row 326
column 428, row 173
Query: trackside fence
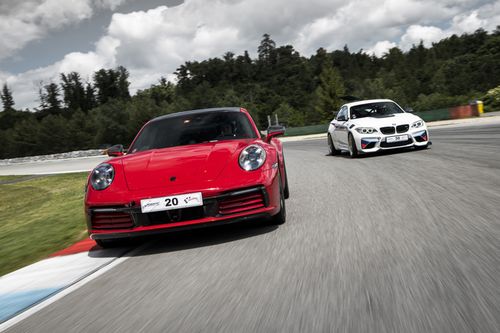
column 457, row 112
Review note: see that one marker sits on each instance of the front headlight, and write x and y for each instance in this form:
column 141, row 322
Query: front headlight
column 102, row 176
column 252, row 157
column 366, row 130
column 417, row 124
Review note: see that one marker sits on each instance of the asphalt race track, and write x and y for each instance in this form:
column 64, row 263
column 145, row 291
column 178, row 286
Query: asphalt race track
column 399, row 242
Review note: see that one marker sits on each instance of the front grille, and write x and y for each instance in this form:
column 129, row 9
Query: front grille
column 174, row 215
column 402, row 128
column 112, row 220
column 241, row 203
column 126, row 217
column 384, row 144
column 387, row 130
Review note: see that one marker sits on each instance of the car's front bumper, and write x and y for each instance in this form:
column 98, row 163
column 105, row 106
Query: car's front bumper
column 127, row 220
column 375, row 142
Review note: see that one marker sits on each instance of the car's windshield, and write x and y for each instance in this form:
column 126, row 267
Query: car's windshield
column 187, row 129
column 377, row 109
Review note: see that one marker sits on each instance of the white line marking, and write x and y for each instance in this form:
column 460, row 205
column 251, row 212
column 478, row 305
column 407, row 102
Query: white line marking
column 69, row 289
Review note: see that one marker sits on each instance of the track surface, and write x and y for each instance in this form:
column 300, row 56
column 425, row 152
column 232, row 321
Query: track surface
column 400, row 242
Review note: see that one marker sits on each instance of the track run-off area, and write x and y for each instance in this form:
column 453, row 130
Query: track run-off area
column 405, row 241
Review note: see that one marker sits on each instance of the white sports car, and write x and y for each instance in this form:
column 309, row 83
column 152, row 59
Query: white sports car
column 372, row 125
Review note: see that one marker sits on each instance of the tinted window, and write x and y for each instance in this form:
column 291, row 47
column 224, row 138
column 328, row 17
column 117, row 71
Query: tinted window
column 379, row 109
column 342, row 113
column 191, row 129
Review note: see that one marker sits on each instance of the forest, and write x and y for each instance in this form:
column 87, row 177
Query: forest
column 75, row 114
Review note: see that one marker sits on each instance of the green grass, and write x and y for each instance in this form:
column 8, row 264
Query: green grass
column 10, row 178
column 38, row 217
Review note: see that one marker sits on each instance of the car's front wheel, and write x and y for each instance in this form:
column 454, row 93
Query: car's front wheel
column 353, row 150
column 280, row 218
column 331, row 147
column 286, row 191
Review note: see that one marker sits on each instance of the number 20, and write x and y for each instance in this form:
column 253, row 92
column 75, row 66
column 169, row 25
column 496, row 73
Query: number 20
column 171, row 202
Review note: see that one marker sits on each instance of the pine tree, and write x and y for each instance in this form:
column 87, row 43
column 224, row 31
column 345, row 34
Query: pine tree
column 111, row 83
column 266, row 48
column 73, row 91
column 49, row 99
column 328, row 94
column 7, row 99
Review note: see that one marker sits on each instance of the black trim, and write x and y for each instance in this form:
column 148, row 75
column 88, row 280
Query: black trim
column 181, row 228
column 198, row 111
column 239, row 192
column 402, row 128
column 387, row 130
column 384, row 144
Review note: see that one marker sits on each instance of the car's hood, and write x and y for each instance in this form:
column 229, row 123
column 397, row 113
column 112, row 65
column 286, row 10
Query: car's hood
column 392, row 120
column 180, row 165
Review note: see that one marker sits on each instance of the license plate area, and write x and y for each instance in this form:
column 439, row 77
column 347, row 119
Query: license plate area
column 396, row 138
column 171, row 202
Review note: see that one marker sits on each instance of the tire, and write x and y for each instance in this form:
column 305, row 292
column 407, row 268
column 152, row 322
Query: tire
column 286, row 191
column 353, row 150
column 280, row 218
column 331, row 146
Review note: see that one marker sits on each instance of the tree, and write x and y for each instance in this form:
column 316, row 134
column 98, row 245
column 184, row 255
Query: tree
column 90, row 99
column 266, row 48
column 7, row 99
column 49, row 99
column 328, row 94
column 73, row 91
column 111, row 84
column 289, row 116
column 161, row 93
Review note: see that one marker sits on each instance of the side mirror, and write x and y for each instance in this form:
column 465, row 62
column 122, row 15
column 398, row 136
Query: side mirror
column 342, row 118
column 409, row 109
column 116, row 150
column 274, row 131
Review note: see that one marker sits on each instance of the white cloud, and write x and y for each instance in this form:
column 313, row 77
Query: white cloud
column 22, row 22
column 416, row 33
column 154, row 43
column 467, row 22
column 381, row 48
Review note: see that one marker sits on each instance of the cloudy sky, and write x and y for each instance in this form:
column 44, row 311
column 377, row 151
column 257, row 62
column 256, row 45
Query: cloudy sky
column 41, row 38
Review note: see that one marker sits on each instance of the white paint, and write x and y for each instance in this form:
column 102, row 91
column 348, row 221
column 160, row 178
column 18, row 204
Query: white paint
column 54, row 271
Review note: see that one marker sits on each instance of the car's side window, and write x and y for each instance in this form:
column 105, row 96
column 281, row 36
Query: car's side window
column 342, row 113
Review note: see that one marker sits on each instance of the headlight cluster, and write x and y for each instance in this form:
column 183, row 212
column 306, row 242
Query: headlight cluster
column 252, row 157
column 417, row 124
column 366, row 130
column 102, row 176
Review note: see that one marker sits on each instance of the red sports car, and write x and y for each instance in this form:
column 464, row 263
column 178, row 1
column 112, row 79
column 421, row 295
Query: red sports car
column 185, row 170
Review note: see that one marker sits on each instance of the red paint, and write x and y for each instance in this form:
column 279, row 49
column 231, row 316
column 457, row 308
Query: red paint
column 464, row 111
column 210, row 168
column 82, row 246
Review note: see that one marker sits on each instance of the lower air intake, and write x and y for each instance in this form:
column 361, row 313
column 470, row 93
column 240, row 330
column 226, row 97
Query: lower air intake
column 241, row 203
column 116, row 220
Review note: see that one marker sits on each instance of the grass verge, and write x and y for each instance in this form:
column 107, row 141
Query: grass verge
column 38, row 217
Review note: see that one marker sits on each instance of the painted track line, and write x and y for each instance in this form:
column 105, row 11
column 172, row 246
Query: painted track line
column 57, row 295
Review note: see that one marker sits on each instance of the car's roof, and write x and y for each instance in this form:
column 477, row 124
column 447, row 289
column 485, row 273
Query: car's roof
column 198, row 111
column 366, row 101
